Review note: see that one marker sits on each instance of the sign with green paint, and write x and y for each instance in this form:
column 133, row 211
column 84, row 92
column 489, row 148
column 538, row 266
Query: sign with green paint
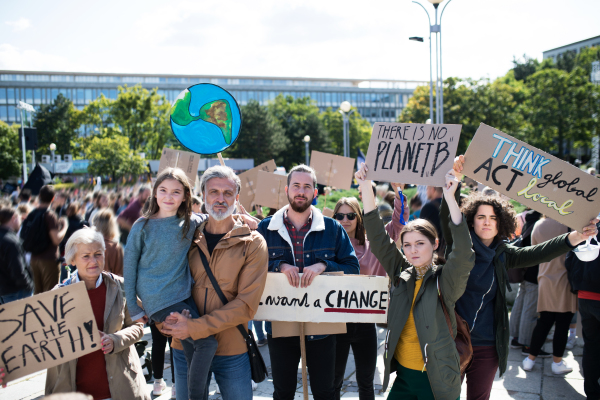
column 206, row 118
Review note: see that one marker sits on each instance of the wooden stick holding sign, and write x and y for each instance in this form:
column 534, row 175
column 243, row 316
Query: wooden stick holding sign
column 412, row 153
column 303, row 356
column 533, row 177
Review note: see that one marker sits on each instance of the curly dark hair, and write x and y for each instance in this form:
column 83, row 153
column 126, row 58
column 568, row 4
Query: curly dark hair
column 504, row 210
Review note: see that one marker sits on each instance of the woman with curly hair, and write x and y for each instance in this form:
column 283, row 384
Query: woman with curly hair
column 492, row 221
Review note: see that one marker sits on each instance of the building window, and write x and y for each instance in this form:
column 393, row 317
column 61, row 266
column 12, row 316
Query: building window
column 88, row 96
column 61, row 78
column 3, row 113
column 12, row 77
column 151, row 80
column 2, row 96
column 66, row 93
column 113, row 94
column 110, row 79
column 37, row 96
column 29, row 96
column 80, row 96
column 11, row 113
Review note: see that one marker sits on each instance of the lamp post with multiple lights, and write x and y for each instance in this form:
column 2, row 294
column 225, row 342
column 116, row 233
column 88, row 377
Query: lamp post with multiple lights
column 439, row 83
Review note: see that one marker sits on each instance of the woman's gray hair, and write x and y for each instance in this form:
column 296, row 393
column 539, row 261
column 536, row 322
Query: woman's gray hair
column 220, row 171
column 82, row 236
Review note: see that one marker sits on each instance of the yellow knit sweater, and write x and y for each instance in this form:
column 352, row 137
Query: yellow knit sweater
column 408, row 349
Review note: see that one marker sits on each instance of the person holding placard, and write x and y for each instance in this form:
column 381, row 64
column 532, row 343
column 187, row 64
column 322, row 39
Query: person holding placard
column 114, row 371
column 363, row 336
column 491, row 221
column 420, row 346
column 302, row 245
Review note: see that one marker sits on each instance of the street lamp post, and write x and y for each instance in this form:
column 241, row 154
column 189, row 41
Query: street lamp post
column 439, row 85
column 52, row 149
column 27, row 107
column 345, row 110
column 306, row 141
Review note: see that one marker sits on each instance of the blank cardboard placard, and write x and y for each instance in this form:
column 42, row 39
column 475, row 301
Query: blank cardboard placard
column 249, row 181
column 328, row 212
column 185, row 160
column 532, row 177
column 47, row 330
column 346, row 298
column 270, row 190
column 332, row 170
column 412, row 153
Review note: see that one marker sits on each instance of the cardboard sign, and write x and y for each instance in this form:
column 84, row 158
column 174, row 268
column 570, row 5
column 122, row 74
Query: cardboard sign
column 328, row 212
column 270, row 190
column 46, row 330
column 412, row 153
column 532, row 177
column 347, row 298
column 249, row 181
column 185, row 160
column 332, row 170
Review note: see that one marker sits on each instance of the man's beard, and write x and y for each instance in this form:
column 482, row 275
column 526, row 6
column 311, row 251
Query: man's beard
column 300, row 208
column 220, row 216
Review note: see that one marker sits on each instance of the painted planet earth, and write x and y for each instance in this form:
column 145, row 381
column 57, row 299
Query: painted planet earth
column 205, row 118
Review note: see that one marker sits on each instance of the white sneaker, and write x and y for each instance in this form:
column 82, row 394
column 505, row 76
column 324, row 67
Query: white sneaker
column 159, row 386
column 560, row 368
column 254, row 385
column 173, row 394
column 571, row 342
column 528, row 364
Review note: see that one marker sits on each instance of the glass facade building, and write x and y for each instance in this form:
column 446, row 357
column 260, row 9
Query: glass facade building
column 376, row 100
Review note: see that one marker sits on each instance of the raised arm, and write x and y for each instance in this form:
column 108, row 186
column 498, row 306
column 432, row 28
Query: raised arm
column 394, row 227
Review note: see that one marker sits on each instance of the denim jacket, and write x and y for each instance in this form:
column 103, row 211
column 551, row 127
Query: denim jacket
column 325, row 242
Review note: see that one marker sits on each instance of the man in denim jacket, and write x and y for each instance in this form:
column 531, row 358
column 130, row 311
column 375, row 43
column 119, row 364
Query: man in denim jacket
column 302, row 241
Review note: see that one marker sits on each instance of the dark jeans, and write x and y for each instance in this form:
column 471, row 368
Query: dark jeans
column 198, row 353
column 410, row 384
column 363, row 339
column 590, row 322
column 561, row 332
column 159, row 342
column 480, row 374
column 320, row 362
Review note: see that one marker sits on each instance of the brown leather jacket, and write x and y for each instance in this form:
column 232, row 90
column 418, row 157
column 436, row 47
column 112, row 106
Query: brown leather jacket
column 125, row 377
column 239, row 262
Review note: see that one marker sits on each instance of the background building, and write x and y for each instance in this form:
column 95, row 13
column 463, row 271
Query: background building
column 376, row 100
column 572, row 48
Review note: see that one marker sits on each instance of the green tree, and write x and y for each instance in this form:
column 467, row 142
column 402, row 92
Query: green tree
column 143, row 117
column 261, row 137
column 112, row 156
column 524, row 68
column 359, row 131
column 299, row 117
column 11, row 157
column 57, row 123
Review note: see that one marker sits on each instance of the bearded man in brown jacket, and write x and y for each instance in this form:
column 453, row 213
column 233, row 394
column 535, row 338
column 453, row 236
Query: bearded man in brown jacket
column 238, row 258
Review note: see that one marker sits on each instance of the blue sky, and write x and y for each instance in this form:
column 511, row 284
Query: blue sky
column 335, row 39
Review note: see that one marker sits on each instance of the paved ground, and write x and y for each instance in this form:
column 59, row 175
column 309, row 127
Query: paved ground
column 515, row 384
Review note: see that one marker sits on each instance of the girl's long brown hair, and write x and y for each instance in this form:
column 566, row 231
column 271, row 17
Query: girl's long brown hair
column 355, row 206
column 185, row 209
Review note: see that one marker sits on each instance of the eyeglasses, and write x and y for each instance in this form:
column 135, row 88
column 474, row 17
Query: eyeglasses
column 340, row 216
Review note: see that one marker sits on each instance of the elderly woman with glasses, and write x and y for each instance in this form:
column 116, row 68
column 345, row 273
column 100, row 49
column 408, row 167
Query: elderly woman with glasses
column 363, row 336
column 113, row 372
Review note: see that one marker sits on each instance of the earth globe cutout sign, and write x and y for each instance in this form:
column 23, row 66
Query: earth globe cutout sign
column 206, row 118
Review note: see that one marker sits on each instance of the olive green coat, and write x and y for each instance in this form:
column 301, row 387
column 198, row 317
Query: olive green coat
column 437, row 345
column 508, row 256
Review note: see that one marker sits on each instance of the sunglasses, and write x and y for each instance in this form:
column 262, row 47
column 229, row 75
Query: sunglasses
column 340, row 216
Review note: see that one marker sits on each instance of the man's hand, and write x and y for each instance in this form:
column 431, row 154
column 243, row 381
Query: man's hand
column 459, row 163
column 172, row 319
column 292, row 274
column 179, row 329
column 107, row 343
column 249, row 219
column 397, row 186
column 309, row 273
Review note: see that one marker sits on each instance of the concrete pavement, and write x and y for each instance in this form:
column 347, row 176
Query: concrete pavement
column 539, row 384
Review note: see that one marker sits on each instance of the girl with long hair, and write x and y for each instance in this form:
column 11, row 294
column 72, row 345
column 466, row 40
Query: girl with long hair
column 420, row 347
column 491, row 221
column 156, row 268
column 362, row 337
column 105, row 222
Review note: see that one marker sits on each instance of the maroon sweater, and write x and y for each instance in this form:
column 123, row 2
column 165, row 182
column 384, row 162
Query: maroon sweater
column 91, row 374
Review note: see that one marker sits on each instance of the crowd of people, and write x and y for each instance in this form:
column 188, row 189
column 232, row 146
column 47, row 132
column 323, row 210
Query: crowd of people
column 194, row 270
